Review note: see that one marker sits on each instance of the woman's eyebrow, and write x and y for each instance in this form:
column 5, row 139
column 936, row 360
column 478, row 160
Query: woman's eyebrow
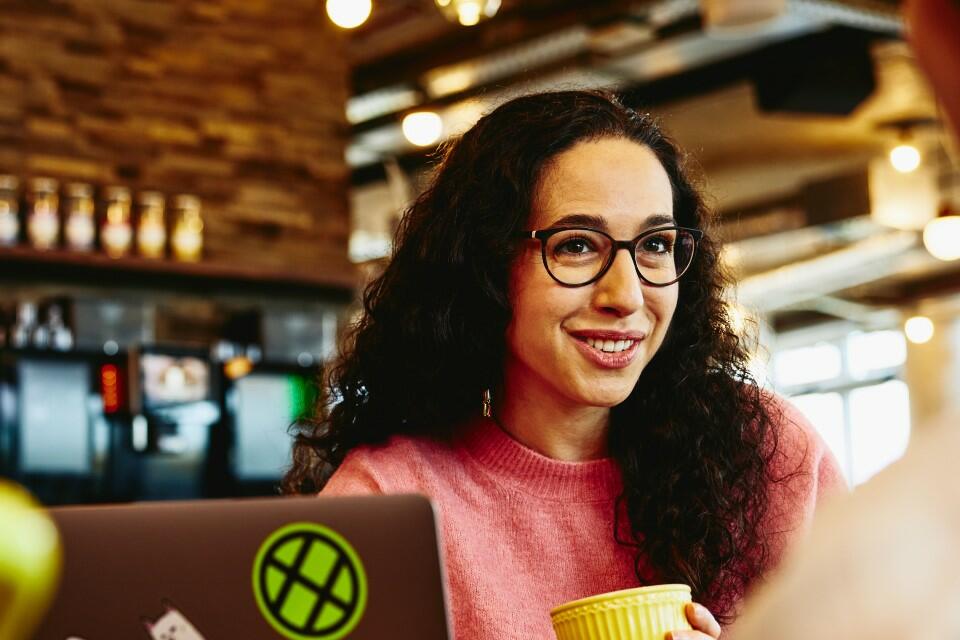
column 658, row 220
column 581, row 220
column 597, row 222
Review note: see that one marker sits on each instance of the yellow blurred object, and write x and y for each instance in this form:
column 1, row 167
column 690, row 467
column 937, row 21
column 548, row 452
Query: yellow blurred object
column 644, row 613
column 237, row 367
column 30, row 561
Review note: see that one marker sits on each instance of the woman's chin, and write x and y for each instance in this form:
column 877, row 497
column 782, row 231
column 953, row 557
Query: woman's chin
column 606, row 399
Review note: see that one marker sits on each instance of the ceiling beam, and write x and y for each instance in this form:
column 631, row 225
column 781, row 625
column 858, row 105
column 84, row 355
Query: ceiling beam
column 514, row 24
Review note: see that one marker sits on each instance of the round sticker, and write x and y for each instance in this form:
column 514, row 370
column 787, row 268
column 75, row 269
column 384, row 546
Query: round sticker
column 309, row 582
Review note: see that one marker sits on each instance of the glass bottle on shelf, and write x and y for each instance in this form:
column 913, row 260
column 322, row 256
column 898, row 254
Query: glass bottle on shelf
column 9, row 211
column 43, row 222
column 151, row 229
column 79, row 226
column 21, row 332
column 61, row 337
column 116, row 230
column 187, row 239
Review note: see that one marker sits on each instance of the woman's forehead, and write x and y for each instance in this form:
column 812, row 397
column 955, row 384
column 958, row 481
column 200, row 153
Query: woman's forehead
column 617, row 180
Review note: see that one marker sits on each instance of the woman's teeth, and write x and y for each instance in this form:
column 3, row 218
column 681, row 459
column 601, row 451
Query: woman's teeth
column 610, row 346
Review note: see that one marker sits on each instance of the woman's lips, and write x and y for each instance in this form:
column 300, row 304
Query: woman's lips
column 607, row 360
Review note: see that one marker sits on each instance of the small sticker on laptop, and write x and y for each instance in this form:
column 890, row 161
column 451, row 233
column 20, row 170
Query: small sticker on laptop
column 309, row 582
column 170, row 625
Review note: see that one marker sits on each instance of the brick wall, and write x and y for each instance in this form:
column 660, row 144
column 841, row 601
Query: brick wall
column 240, row 102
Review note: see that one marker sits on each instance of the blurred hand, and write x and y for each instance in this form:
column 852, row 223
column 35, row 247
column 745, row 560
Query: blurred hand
column 882, row 563
column 705, row 626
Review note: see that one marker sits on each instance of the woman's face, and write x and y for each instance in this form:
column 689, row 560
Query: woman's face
column 557, row 340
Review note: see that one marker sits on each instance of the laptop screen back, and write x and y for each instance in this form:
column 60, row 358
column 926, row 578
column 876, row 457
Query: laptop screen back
column 366, row 568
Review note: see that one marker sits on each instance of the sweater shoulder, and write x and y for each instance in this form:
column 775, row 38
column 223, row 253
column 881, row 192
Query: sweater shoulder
column 401, row 464
column 799, row 446
column 803, row 469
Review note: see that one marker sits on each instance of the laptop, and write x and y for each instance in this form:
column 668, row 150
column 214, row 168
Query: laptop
column 367, row 568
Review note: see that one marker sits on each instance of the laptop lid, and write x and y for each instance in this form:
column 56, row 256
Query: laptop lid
column 366, row 568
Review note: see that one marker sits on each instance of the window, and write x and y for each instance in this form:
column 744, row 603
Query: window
column 879, row 426
column 805, row 365
column 850, row 391
column 870, row 353
column 825, row 411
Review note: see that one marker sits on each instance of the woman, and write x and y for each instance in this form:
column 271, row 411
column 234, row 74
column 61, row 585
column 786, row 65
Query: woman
column 581, row 416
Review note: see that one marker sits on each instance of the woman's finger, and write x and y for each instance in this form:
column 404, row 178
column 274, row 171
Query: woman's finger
column 687, row 635
column 701, row 619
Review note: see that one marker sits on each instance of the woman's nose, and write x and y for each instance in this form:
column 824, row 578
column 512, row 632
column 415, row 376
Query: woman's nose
column 620, row 290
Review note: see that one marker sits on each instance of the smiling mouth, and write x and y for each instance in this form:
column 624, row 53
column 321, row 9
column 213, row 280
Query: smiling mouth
column 609, row 346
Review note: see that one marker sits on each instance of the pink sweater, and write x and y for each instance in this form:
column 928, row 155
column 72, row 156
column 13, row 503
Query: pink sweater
column 523, row 533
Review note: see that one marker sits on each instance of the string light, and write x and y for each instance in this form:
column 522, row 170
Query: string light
column 941, row 236
column 905, row 158
column 349, row 14
column 468, row 12
column 422, row 128
column 919, row 329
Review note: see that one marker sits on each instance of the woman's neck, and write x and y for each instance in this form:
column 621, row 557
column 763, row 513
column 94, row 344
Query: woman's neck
column 558, row 430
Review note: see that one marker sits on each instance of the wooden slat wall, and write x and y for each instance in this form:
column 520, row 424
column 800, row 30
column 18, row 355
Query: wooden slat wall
column 240, row 102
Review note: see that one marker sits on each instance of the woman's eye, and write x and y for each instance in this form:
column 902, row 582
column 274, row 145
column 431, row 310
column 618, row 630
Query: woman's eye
column 574, row 246
column 657, row 244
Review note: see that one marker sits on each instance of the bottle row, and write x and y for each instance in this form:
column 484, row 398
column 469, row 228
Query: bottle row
column 27, row 324
column 45, row 216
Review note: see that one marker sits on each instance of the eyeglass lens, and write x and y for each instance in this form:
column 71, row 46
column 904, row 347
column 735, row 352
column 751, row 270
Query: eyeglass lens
column 576, row 256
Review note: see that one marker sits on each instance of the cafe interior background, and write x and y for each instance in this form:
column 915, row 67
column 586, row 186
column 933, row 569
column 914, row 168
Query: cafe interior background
column 193, row 192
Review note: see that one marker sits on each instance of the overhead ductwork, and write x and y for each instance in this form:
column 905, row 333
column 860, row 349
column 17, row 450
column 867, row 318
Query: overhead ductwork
column 652, row 41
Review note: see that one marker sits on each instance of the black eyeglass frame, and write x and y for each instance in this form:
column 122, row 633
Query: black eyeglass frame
column 545, row 234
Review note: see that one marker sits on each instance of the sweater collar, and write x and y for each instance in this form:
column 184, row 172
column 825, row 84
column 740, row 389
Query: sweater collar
column 524, row 469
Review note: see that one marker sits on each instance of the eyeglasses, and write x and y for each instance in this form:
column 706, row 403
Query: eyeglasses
column 578, row 256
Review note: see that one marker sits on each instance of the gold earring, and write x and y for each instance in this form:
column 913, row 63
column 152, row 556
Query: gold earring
column 487, row 404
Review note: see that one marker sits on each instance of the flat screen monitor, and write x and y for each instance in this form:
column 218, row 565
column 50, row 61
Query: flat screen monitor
column 170, row 380
column 265, row 405
column 55, row 423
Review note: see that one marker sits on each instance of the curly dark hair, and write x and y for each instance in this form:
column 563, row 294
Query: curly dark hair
column 693, row 440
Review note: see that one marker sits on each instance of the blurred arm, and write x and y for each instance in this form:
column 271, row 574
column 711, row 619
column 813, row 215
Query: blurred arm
column 881, row 564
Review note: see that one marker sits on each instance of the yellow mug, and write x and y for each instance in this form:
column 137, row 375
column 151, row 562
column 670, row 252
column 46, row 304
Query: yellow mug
column 643, row 613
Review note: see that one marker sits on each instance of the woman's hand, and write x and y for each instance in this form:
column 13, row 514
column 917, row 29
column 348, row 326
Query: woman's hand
column 705, row 626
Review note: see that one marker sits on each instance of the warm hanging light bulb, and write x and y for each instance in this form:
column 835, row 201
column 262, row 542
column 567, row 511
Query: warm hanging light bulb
column 905, row 158
column 422, row 128
column 941, row 236
column 903, row 200
column 919, row 329
column 349, row 14
column 468, row 12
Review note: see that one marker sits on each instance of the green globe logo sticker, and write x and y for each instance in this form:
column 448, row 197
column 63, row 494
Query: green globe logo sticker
column 309, row 583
